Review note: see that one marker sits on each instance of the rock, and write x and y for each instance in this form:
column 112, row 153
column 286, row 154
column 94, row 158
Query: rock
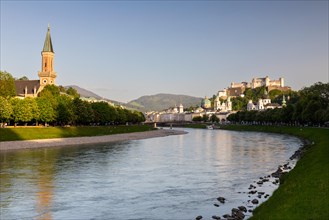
column 252, row 192
column 242, row 208
column 240, row 215
column 221, row 199
column 216, row 205
column 278, row 173
column 198, row 217
column 259, row 196
column 215, row 217
column 254, row 201
column 250, row 210
column 237, row 214
column 227, row 216
column 261, row 193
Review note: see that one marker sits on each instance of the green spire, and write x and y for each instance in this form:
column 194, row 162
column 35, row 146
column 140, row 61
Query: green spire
column 48, row 46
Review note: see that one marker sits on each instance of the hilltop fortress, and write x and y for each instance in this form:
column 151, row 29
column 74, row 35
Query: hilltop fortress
column 237, row 89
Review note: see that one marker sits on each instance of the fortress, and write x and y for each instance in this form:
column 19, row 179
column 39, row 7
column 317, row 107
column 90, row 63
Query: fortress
column 236, row 89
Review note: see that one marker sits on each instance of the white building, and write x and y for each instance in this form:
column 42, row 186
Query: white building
column 222, row 106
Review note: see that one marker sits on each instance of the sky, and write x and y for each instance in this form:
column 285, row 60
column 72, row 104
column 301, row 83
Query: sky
column 122, row 50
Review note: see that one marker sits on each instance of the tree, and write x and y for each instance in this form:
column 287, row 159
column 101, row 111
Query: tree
column 214, row 118
column 197, row 118
column 23, row 78
column 205, row 118
column 83, row 111
column 7, row 85
column 33, row 108
column 22, row 111
column 101, row 112
column 72, row 92
column 50, row 91
column 65, row 111
column 5, row 109
column 47, row 113
column 122, row 117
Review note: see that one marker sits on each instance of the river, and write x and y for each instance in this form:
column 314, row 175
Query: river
column 174, row 177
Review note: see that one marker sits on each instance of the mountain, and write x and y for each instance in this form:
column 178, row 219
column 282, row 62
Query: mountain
column 160, row 102
column 84, row 92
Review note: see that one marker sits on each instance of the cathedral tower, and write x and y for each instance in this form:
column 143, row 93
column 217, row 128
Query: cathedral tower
column 47, row 75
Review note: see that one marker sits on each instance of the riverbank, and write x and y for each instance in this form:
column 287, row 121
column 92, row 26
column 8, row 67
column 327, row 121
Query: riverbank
column 304, row 191
column 73, row 141
column 23, row 133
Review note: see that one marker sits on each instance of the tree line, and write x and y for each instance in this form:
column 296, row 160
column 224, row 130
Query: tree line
column 58, row 106
column 308, row 106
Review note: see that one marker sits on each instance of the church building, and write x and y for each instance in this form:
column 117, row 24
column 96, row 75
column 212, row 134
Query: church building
column 47, row 75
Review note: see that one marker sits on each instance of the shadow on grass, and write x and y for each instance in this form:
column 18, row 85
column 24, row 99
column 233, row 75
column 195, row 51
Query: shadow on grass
column 9, row 134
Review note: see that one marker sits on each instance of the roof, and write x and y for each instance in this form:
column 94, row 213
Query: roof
column 48, row 46
column 31, row 85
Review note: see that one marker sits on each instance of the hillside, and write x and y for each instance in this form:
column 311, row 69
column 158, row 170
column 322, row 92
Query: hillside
column 84, row 92
column 160, row 102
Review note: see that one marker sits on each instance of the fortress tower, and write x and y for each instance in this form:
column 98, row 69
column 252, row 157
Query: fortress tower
column 47, row 75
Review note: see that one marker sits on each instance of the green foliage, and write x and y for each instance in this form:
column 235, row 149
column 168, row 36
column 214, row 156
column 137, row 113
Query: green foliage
column 65, row 111
column 197, row 119
column 205, row 118
column 7, row 85
column 31, row 133
column 47, row 113
column 23, row 78
column 72, row 92
column 239, row 103
column 22, row 111
column 50, row 91
column 102, row 112
column 311, row 106
column 83, row 111
column 34, row 108
column 214, row 118
column 254, row 94
column 5, row 109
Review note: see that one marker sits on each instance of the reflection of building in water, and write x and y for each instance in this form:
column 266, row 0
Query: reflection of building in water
column 45, row 186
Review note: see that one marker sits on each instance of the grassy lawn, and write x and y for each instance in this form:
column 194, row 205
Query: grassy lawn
column 29, row 133
column 303, row 193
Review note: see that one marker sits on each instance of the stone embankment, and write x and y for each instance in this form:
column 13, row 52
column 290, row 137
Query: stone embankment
column 59, row 142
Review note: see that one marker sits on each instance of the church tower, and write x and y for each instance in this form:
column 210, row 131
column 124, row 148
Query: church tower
column 47, row 75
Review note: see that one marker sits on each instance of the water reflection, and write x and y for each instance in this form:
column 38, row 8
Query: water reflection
column 176, row 177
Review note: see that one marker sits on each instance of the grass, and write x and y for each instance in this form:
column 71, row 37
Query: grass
column 195, row 125
column 30, row 133
column 303, row 192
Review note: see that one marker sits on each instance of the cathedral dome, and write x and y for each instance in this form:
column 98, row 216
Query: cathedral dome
column 206, row 103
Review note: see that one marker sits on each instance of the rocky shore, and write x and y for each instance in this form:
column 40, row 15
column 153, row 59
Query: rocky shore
column 59, row 142
column 255, row 192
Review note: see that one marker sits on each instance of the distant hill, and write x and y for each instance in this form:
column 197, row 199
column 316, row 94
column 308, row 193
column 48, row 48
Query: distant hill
column 89, row 94
column 160, row 102
column 84, row 92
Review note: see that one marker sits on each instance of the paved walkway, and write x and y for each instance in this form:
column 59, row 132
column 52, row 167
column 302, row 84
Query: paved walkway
column 55, row 142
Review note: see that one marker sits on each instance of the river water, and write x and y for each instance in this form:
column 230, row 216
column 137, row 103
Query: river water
column 174, row 177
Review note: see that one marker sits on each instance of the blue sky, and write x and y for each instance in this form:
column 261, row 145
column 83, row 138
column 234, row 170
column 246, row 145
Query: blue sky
column 125, row 49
